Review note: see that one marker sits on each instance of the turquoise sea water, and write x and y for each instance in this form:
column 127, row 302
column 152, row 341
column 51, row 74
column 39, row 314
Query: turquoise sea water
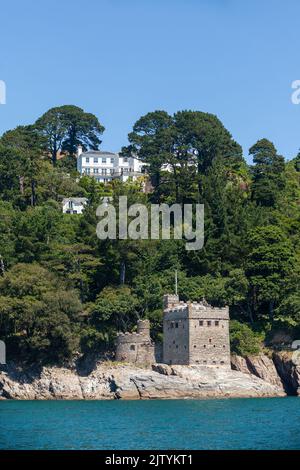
column 266, row 423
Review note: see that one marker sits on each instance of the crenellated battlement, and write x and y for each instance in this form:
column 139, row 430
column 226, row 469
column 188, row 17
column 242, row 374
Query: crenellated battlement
column 196, row 333
column 133, row 337
column 197, row 309
column 136, row 347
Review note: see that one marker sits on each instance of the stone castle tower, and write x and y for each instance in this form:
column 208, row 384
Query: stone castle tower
column 138, row 347
column 195, row 333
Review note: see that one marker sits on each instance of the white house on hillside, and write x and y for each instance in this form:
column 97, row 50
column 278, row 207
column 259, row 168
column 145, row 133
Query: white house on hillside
column 73, row 205
column 106, row 166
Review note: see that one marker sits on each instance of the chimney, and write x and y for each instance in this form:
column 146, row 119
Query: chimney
column 79, row 150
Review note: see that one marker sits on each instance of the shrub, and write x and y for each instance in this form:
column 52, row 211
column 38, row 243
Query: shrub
column 244, row 341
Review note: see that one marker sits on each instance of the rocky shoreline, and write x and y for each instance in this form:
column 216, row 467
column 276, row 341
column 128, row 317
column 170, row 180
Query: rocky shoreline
column 258, row 376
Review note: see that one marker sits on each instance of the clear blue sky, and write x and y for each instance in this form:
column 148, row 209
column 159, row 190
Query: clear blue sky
column 120, row 59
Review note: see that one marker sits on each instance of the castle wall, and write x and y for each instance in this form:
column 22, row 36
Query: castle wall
column 196, row 333
column 209, row 345
column 176, row 336
column 136, row 348
column 158, row 351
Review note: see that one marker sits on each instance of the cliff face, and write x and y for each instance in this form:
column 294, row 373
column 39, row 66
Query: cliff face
column 108, row 381
column 261, row 366
column 288, row 371
column 280, row 370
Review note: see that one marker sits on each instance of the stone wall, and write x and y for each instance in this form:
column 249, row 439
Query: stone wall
column 209, row 342
column 136, row 348
column 195, row 333
column 176, row 337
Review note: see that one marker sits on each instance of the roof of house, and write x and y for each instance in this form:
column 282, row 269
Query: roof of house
column 98, row 153
column 75, row 199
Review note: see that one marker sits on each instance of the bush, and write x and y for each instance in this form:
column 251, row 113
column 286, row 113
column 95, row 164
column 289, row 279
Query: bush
column 92, row 341
column 244, row 341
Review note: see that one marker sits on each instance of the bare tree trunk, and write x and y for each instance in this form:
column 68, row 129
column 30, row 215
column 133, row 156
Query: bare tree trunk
column 176, row 183
column 33, row 198
column 54, row 155
column 2, row 267
column 200, row 186
column 271, row 309
column 122, row 273
column 250, row 314
column 21, row 184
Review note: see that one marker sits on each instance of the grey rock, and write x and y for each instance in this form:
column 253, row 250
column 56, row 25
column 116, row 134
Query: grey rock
column 260, row 365
column 109, row 381
column 288, row 371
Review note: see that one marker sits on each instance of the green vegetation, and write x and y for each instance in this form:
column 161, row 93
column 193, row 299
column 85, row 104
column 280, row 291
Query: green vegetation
column 64, row 292
column 243, row 340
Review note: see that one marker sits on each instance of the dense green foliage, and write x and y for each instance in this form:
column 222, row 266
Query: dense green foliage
column 244, row 341
column 66, row 127
column 63, row 291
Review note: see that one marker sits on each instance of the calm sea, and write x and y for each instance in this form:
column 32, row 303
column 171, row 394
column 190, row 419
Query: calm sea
column 265, row 423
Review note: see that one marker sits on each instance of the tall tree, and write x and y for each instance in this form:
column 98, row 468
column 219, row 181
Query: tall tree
column 40, row 315
column 297, row 162
column 23, row 147
column 205, row 136
column 68, row 126
column 188, row 142
column 150, row 141
column 269, row 263
column 268, row 172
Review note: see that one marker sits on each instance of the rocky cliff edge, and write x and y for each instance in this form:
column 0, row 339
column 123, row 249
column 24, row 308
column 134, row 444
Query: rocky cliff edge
column 125, row 381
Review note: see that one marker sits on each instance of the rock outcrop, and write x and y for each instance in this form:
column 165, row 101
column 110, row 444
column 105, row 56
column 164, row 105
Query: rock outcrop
column 288, row 371
column 109, row 381
column 261, row 365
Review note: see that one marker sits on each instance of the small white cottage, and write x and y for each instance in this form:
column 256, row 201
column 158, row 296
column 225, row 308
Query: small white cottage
column 73, row 205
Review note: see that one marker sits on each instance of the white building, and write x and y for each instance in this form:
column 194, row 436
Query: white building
column 73, row 205
column 106, row 166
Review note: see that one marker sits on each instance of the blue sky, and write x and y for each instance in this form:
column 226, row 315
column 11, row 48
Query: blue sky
column 120, row 59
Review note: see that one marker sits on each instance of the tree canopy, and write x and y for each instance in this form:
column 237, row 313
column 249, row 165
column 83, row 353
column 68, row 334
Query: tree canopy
column 64, row 292
column 66, row 127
